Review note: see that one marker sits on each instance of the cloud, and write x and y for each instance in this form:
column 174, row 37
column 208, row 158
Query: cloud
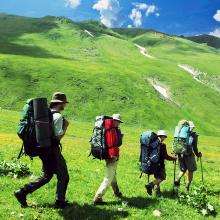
column 72, row 3
column 136, row 17
column 215, row 33
column 129, row 26
column 217, row 16
column 151, row 9
column 137, row 12
column 140, row 6
column 109, row 12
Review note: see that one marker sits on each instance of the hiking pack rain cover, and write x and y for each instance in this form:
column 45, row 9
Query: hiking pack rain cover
column 42, row 122
column 150, row 152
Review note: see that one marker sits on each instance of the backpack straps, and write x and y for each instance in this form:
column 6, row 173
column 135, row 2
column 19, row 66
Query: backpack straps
column 21, row 153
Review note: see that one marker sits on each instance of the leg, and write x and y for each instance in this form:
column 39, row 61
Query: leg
column 47, row 175
column 115, row 187
column 111, row 166
column 191, row 166
column 159, row 177
column 181, row 174
column 189, row 180
column 182, row 167
column 62, row 175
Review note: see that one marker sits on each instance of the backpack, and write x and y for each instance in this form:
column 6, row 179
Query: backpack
column 182, row 142
column 150, row 152
column 35, row 127
column 99, row 147
column 113, row 138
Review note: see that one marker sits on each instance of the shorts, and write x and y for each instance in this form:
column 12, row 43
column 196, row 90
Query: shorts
column 187, row 162
column 160, row 173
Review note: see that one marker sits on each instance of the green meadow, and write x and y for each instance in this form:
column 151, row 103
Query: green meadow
column 106, row 74
column 86, row 174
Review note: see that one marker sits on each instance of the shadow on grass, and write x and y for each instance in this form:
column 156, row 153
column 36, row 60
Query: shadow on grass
column 87, row 211
column 169, row 194
column 12, row 28
column 140, row 202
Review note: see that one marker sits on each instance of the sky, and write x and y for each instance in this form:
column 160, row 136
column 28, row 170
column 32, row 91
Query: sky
column 181, row 17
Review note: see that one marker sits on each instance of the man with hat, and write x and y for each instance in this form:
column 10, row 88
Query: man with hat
column 113, row 133
column 160, row 174
column 52, row 159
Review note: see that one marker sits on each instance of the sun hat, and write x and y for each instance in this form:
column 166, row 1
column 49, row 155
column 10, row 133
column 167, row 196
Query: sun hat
column 191, row 124
column 162, row 133
column 117, row 117
column 59, row 97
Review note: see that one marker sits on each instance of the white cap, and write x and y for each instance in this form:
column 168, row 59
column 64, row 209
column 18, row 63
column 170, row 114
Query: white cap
column 162, row 133
column 117, row 117
column 191, row 124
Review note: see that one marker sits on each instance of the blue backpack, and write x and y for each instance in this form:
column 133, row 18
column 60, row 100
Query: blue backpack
column 182, row 142
column 150, row 152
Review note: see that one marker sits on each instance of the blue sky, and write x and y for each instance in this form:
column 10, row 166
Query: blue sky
column 187, row 17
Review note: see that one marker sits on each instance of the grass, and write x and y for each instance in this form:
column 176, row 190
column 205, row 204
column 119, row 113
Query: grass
column 86, row 175
column 107, row 73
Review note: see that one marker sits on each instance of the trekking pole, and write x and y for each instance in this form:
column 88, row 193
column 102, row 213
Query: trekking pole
column 201, row 170
column 174, row 176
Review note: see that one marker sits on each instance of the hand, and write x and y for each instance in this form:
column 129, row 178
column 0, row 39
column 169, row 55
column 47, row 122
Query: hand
column 199, row 154
column 174, row 159
column 65, row 124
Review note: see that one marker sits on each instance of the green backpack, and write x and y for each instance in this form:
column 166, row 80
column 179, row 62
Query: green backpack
column 30, row 129
column 26, row 118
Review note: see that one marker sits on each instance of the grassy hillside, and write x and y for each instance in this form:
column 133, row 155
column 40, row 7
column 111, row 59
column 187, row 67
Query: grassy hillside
column 107, row 73
column 86, row 175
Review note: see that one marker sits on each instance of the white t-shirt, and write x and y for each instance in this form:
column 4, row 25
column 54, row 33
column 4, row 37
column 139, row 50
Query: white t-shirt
column 57, row 123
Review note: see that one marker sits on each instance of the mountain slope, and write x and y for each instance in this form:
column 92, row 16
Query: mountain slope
column 211, row 41
column 106, row 73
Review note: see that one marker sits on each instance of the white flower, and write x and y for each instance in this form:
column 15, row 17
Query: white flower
column 21, row 215
column 210, row 207
column 156, row 213
column 124, row 204
column 204, row 212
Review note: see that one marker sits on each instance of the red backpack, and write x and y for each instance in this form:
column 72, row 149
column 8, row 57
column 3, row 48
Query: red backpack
column 113, row 138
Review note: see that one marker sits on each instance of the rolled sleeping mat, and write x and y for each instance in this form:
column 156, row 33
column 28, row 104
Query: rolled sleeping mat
column 42, row 122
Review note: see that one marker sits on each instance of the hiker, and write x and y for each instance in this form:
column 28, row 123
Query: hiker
column 187, row 161
column 160, row 173
column 113, row 143
column 52, row 159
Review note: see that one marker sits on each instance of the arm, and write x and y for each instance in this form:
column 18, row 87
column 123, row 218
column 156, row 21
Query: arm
column 195, row 145
column 166, row 156
column 65, row 126
column 60, row 126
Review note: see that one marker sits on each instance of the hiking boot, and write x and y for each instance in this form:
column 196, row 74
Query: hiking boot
column 21, row 197
column 99, row 202
column 177, row 183
column 118, row 194
column 61, row 204
column 158, row 192
column 149, row 187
